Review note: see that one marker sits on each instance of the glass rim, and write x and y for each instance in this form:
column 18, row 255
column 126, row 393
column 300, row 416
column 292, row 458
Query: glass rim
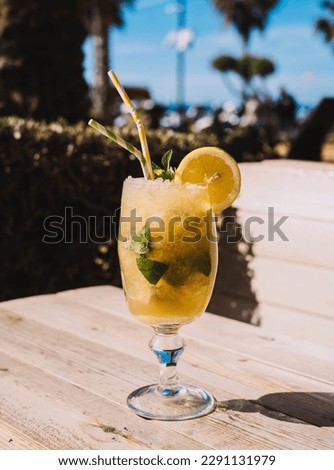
column 142, row 181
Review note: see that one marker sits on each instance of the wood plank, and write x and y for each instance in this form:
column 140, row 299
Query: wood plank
column 282, row 320
column 62, row 415
column 310, row 241
column 293, row 285
column 203, row 433
column 317, row 406
column 93, row 320
column 265, row 345
column 294, row 275
column 292, row 187
column 296, row 323
column 13, row 439
column 274, row 281
column 284, row 351
column 91, row 366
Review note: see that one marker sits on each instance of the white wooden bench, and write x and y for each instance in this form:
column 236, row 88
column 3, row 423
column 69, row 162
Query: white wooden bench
column 293, row 281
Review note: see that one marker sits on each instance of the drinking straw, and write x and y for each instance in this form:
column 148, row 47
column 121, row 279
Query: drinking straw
column 141, row 130
column 123, row 143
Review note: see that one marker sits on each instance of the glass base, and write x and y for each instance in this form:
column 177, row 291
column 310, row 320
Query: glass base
column 184, row 402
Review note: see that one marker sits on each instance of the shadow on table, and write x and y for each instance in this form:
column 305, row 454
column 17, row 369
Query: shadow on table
column 315, row 408
column 233, row 295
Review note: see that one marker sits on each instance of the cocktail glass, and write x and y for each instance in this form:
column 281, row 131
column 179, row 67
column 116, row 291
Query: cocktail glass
column 168, row 254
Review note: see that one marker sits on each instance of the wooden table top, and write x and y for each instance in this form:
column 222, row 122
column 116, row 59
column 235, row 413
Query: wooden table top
column 69, row 360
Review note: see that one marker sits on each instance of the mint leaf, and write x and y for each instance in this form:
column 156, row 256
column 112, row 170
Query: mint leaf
column 166, row 172
column 165, row 161
column 164, row 175
column 140, row 242
column 157, row 172
column 155, row 166
column 179, row 271
column 152, row 270
column 181, row 268
column 143, row 235
column 204, row 263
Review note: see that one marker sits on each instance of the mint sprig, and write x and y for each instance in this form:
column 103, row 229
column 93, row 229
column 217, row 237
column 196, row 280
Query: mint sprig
column 204, row 263
column 165, row 172
column 140, row 242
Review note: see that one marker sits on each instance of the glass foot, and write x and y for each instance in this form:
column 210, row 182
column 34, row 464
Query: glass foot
column 184, row 402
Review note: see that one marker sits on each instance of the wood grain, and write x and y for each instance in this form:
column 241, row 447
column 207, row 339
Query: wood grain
column 295, row 275
column 69, row 360
column 296, row 188
column 309, row 240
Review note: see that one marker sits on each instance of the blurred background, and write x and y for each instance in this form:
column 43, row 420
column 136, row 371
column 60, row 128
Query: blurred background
column 254, row 77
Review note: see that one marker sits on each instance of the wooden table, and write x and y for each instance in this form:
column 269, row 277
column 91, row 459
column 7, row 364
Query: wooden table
column 69, row 360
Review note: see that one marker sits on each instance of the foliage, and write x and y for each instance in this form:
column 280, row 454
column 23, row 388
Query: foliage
column 325, row 25
column 246, row 15
column 111, row 11
column 41, row 60
column 248, row 66
column 225, row 63
column 98, row 16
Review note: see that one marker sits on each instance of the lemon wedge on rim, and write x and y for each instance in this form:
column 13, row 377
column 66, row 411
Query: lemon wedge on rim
column 214, row 168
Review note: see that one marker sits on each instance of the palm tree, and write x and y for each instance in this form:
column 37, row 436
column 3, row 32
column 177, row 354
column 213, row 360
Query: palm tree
column 98, row 16
column 247, row 68
column 325, row 25
column 246, row 15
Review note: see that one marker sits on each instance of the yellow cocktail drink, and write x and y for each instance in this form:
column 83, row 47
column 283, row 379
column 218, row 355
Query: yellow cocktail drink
column 167, row 248
column 167, row 251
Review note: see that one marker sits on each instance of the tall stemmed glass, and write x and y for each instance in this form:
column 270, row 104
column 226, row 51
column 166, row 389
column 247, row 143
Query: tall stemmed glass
column 168, row 255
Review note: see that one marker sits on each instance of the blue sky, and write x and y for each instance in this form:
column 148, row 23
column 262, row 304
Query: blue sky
column 140, row 57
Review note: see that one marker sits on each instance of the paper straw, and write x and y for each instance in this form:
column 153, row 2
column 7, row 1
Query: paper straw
column 141, row 131
column 115, row 138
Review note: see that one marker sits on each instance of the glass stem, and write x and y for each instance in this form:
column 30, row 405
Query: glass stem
column 168, row 348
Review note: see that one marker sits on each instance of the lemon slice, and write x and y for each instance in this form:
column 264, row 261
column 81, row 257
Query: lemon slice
column 214, row 168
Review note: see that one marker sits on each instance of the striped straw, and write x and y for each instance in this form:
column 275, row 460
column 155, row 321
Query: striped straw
column 141, row 131
column 123, row 143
